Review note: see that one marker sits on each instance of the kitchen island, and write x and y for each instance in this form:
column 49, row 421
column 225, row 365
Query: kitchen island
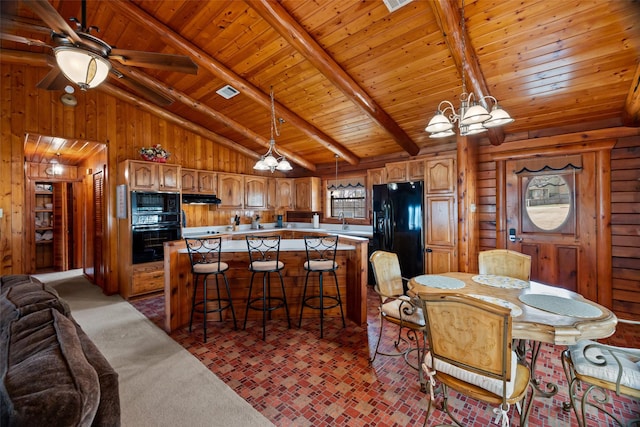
column 352, row 276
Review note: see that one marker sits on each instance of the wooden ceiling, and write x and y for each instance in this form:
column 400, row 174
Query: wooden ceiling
column 354, row 79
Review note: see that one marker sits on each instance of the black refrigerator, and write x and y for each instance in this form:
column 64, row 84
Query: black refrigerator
column 398, row 223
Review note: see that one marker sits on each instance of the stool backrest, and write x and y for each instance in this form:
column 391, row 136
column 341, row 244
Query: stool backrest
column 204, row 251
column 321, row 248
column 263, row 248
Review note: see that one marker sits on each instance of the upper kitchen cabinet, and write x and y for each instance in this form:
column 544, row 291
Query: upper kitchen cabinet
column 150, row 176
column 440, row 176
column 284, row 193
column 255, row 192
column 376, row 177
column 231, row 190
column 307, row 194
column 195, row 181
column 405, row 171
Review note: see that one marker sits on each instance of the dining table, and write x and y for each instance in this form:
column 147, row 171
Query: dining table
column 540, row 313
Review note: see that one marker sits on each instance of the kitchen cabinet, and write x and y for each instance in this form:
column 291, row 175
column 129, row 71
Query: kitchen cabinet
column 415, row 170
column 150, row 176
column 231, row 190
column 376, row 177
column 441, row 176
column 307, row 194
column 284, row 193
column 405, row 171
column 194, row 181
column 255, row 192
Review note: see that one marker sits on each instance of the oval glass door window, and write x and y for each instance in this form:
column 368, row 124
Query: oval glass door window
column 548, row 201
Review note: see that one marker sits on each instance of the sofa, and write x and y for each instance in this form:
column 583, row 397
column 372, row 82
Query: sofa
column 52, row 373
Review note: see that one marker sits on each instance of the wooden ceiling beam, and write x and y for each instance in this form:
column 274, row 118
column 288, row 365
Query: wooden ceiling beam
column 210, row 112
column 448, row 17
column 281, row 21
column 221, row 71
column 41, row 60
column 631, row 113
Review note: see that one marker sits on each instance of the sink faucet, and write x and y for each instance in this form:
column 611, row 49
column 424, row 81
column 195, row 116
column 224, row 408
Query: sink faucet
column 341, row 216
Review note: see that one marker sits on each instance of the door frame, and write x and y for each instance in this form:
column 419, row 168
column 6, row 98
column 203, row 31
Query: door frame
column 601, row 292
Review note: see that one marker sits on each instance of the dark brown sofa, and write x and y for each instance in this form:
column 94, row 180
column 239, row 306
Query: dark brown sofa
column 52, row 373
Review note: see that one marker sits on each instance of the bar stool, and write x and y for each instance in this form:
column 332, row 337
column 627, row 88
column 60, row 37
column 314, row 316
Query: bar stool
column 264, row 253
column 205, row 261
column 321, row 258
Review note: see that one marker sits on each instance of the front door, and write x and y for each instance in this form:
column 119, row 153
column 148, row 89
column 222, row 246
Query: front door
column 551, row 209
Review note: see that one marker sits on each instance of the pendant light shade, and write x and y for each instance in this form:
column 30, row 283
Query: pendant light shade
column 84, row 68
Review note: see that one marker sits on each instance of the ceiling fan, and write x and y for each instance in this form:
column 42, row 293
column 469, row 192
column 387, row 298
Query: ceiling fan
column 86, row 60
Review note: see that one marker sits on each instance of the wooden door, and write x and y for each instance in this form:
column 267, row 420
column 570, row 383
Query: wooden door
column 551, row 214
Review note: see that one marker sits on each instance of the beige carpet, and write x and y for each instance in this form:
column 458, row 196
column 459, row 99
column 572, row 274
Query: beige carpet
column 161, row 383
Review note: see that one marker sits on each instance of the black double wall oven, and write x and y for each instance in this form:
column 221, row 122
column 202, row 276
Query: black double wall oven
column 155, row 219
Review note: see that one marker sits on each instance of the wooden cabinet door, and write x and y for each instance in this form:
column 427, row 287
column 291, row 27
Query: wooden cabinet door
column 272, row 199
column 284, row 193
column 440, row 176
column 255, row 192
column 207, row 182
column 396, row 172
column 143, row 176
column 169, row 178
column 307, row 194
column 415, row 170
column 375, row 177
column 231, row 189
column 189, row 180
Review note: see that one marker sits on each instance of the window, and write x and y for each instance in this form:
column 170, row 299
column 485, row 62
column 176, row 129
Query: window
column 347, row 197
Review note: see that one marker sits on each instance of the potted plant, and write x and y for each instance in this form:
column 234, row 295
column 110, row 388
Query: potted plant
column 154, row 153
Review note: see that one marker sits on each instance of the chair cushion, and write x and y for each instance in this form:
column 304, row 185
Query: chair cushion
column 266, row 265
column 392, row 309
column 490, row 384
column 608, row 372
column 320, row 265
column 210, row 268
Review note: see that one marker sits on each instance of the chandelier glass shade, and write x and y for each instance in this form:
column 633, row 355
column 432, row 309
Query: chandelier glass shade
column 273, row 160
column 472, row 117
column 82, row 67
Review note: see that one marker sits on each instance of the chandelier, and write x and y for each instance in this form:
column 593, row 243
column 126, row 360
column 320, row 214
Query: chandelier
column 273, row 160
column 472, row 117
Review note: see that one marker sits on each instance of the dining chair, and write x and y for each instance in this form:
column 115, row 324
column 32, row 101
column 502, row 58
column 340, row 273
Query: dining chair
column 601, row 372
column 321, row 258
column 505, row 262
column 204, row 255
column 470, row 352
column 399, row 309
column 264, row 258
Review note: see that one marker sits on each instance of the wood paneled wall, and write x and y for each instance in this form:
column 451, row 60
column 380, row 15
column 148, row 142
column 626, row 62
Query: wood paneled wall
column 124, row 128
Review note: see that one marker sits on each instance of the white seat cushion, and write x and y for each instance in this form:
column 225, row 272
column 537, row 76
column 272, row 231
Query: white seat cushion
column 490, row 384
column 608, row 372
column 320, row 264
column 266, row 265
column 210, row 268
column 392, row 309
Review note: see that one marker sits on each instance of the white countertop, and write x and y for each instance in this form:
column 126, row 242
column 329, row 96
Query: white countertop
column 286, row 245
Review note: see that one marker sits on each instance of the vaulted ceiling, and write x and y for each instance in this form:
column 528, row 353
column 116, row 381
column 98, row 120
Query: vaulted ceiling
column 353, row 78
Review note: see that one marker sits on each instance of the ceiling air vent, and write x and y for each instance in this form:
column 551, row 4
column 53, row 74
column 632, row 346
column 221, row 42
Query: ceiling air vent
column 227, row 91
column 394, row 5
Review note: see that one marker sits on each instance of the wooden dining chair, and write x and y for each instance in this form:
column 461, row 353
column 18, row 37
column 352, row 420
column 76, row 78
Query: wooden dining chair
column 601, row 372
column 470, row 352
column 399, row 309
column 505, row 262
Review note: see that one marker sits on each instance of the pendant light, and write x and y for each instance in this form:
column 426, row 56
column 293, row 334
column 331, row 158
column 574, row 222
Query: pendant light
column 273, row 160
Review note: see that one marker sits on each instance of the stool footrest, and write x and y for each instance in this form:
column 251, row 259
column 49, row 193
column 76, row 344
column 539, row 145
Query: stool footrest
column 199, row 306
column 317, row 306
column 266, row 304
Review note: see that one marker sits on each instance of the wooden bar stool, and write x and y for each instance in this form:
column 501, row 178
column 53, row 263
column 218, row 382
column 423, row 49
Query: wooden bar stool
column 205, row 261
column 264, row 253
column 321, row 258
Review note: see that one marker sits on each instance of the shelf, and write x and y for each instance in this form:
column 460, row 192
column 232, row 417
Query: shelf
column 43, row 228
column 44, row 242
column 44, row 210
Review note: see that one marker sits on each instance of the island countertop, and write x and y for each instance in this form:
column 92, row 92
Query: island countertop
column 352, row 258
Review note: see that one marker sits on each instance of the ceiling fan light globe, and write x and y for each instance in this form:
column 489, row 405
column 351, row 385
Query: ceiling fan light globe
column 499, row 117
column 439, row 123
column 476, row 114
column 284, row 165
column 82, row 67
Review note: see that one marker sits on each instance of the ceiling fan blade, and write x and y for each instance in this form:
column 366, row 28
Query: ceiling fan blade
column 54, row 80
column 160, row 61
column 24, row 40
column 12, row 23
column 145, row 91
column 52, row 18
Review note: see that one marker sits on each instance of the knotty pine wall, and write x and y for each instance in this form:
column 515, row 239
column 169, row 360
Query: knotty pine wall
column 625, row 220
column 99, row 117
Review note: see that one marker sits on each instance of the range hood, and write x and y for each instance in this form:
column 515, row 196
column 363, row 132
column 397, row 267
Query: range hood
column 200, row 199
